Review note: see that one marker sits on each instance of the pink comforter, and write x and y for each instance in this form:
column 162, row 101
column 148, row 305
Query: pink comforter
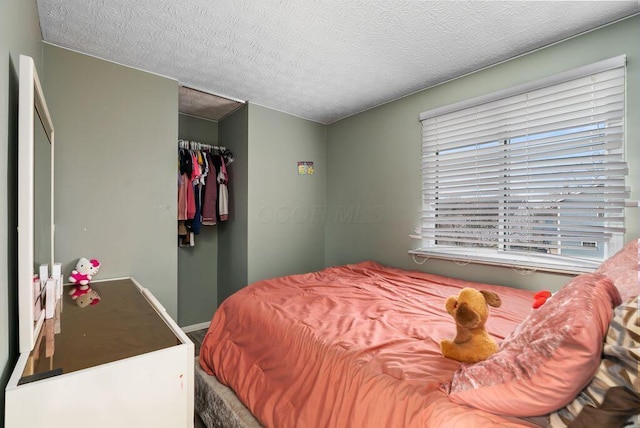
column 349, row 346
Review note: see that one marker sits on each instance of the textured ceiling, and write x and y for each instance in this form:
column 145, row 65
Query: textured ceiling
column 318, row 59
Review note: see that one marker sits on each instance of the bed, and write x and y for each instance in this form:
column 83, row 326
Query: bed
column 358, row 346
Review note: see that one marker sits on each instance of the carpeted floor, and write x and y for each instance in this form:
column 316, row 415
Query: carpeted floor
column 196, row 337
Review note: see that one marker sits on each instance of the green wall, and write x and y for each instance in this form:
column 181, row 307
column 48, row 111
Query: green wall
column 286, row 210
column 19, row 34
column 198, row 265
column 373, row 176
column 276, row 224
column 115, row 169
column 232, row 234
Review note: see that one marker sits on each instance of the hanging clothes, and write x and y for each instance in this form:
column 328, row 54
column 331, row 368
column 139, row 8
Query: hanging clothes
column 198, row 182
column 203, row 195
column 223, row 193
column 182, row 197
column 210, row 198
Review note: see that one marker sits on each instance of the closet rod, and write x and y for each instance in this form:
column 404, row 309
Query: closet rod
column 195, row 145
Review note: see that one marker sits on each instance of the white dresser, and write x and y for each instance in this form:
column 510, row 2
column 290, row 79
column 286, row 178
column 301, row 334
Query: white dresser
column 121, row 363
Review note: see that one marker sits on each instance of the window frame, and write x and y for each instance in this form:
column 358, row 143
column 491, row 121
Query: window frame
column 551, row 262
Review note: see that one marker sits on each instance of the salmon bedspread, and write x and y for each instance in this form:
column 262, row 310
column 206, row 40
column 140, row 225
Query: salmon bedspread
column 349, row 346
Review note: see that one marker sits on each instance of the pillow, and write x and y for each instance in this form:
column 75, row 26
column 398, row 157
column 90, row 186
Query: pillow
column 612, row 395
column 547, row 359
column 623, row 269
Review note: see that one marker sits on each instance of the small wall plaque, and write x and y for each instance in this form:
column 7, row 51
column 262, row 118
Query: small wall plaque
column 305, row 168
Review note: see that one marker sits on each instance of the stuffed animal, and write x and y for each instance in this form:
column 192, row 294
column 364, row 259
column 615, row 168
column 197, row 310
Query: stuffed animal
column 77, row 291
column 90, row 298
column 84, row 271
column 81, row 277
column 470, row 310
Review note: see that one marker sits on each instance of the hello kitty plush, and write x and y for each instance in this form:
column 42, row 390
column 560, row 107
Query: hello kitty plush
column 84, row 271
column 82, row 275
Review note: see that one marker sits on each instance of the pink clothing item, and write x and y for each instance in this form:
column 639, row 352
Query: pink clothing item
column 196, row 171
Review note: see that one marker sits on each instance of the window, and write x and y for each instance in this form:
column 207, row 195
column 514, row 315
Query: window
column 532, row 176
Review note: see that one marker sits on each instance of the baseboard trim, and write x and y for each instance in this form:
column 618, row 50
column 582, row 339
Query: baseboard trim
column 194, row 327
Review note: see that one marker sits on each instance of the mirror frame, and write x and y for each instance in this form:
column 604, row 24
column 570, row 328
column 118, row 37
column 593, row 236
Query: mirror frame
column 30, row 100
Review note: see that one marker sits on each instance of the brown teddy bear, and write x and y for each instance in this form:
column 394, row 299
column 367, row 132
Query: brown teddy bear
column 470, row 310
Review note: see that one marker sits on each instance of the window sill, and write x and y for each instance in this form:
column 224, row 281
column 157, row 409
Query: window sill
column 532, row 263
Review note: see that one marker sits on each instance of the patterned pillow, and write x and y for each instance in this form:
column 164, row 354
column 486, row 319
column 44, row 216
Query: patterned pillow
column 612, row 398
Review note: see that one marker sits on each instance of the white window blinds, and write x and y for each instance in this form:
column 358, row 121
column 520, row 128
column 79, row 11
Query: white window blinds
column 537, row 170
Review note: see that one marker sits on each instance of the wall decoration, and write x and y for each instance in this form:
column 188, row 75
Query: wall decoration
column 305, row 168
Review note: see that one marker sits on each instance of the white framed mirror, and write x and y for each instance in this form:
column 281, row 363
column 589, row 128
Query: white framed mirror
column 35, row 200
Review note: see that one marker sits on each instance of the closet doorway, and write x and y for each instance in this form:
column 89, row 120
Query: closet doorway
column 199, row 115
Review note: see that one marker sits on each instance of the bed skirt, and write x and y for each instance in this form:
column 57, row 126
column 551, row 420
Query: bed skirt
column 217, row 405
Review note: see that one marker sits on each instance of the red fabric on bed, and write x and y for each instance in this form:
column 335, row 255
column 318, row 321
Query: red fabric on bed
column 349, row 346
